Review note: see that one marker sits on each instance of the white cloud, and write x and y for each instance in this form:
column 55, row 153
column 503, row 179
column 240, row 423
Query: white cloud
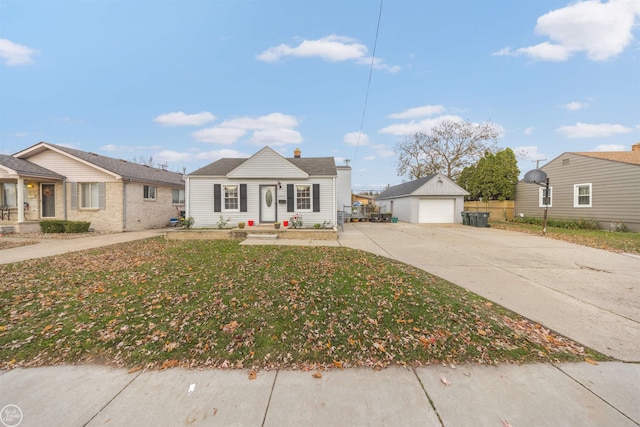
column 601, row 30
column 586, row 130
column 382, row 151
column 173, row 157
column 427, row 110
column 575, row 105
column 528, row 131
column 610, row 147
column 128, row 148
column 181, row 119
column 528, row 152
column 356, row 138
column 15, row 54
column 332, row 48
column 419, row 126
column 275, row 129
column 219, row 135
column 369, row 158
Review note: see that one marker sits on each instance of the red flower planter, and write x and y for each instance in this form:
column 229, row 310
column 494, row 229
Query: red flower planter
column 250, row 222
column 285, row 223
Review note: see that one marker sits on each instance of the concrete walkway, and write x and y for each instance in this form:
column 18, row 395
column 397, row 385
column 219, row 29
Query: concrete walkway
column 586, row 294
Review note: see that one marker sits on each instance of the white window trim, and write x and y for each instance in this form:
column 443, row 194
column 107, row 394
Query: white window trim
column 576, row 194
column 224, row 197
column 310, row 209
column 541, row 197
column 81, row 197
column 155, row 193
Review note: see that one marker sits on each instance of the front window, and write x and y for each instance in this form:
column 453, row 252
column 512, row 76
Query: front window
column 177, row 197
column 149, row 192
column 231, row 202
column 303, row 197
column 89, row 195
column 542, row 194
column 582, row 196
column 9, row 196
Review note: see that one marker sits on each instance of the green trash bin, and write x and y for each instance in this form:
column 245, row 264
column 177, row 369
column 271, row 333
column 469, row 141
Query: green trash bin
column 394, row 219
column 465, row 217
column 473, row 219
column 483, row 219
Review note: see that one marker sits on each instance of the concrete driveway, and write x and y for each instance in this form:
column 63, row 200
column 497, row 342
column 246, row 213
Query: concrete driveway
column 589, row 295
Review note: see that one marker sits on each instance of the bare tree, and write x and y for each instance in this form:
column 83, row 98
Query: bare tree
column 148, row 161
column 448, row 148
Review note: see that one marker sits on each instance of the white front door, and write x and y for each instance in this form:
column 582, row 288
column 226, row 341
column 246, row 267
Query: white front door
column 268, row 203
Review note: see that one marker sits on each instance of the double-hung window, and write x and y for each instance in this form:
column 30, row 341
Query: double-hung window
column 542, row 194
column 89, row 195
column 303, row 197
column 582, row 196
column 177, row 196
column 231, row 198
column 149, row 192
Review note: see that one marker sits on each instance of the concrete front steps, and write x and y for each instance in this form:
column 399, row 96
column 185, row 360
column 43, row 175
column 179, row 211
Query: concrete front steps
column 259, row 232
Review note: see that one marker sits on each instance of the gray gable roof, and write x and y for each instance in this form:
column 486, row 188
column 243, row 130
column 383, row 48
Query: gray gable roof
column 26, row 168
column 404, row 189
column 127, row 170
column 311, row 165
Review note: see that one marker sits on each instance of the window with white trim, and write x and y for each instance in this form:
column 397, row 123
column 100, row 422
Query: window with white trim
column 582, row 195
column 303, row 197
column 542, row 193
column 231, row 198
column 177, row 196
column 89, row 195
column 149, row 192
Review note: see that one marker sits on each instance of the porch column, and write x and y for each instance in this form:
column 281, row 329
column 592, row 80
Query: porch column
column 20, row 191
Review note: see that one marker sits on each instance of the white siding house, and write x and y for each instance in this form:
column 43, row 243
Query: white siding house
column 264, row 189
column 430, row 199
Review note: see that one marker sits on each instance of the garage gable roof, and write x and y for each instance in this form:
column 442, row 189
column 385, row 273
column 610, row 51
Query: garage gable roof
column 423, row 187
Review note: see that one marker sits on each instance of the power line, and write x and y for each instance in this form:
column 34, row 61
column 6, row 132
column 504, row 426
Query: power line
column 366, row 97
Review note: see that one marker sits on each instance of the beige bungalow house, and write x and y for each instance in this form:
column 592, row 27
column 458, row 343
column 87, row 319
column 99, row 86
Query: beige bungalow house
column 48, row 181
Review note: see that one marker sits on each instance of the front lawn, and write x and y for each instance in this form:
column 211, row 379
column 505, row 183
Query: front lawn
column 157, row 303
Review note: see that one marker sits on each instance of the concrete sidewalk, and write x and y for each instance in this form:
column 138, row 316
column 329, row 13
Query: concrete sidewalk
column 530, row 395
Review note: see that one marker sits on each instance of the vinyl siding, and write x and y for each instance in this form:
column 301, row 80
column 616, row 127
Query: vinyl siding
column 267, row 164
column 615, row 191
column 73, row 170
column 200, row 201
column 343, row 188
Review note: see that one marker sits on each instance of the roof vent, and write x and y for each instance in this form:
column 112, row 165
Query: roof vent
column 297, row 153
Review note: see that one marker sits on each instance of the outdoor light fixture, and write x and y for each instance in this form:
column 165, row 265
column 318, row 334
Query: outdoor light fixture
column 539, row 177
column 279, row 185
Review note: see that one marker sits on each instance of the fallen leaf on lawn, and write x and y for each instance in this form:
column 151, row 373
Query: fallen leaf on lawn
column 230, row 327
column 444, row 381
column 46, row 328
column 134, row 369
column 317, row 375
column 593, row 362
column 338, row 364
column 379, row 347
column 253, row 375
column 170, row 346
column 172, row 363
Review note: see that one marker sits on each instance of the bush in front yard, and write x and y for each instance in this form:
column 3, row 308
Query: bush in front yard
column 52, row 226
column 61, row 226
column 76, row 226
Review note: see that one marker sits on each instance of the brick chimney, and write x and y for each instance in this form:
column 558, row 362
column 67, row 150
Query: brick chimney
column 297, row 153
column 635, row 147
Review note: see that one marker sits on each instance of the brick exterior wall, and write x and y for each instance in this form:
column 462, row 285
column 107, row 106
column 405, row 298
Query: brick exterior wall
column 145, row 214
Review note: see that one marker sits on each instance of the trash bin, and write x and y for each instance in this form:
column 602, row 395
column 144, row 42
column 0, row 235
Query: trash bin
column 394, row 219
column 473, row 219
column 483, row 219
column 465, row 217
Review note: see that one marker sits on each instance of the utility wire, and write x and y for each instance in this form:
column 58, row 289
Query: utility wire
column 366, row 98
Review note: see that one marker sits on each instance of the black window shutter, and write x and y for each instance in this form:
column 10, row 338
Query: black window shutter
column 316, row 197
column 290, row 198
column 243, row 197
column 217, row 204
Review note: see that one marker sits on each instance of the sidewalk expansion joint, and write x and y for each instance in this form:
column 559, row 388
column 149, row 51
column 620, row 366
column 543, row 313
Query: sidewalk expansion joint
column 596, row 395
column 112, row 399
column 433, row 406
column 273, row 386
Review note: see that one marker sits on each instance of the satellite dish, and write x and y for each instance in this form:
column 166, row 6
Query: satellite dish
column 535, row 176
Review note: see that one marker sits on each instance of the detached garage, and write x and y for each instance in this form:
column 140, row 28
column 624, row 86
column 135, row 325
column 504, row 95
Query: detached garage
column 433, row 199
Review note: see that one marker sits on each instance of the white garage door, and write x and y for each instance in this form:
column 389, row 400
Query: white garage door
column 436, row 211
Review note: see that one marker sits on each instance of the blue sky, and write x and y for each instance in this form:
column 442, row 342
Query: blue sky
column 188, row 82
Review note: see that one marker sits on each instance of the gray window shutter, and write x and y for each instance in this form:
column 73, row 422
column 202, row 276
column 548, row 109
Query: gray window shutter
column 243, row 197
column 102, row 195
column 316, row 197
column 74, row 195
column 290, row 200
column 217, row 201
